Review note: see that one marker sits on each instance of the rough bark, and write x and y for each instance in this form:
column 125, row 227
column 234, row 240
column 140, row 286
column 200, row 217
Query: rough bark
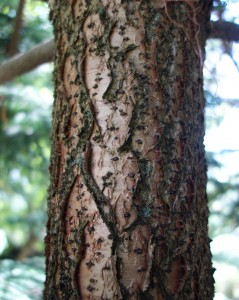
column 127, row 202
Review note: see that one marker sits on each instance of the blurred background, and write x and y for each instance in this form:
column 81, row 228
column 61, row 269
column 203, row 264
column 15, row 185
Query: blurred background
column 25, row 121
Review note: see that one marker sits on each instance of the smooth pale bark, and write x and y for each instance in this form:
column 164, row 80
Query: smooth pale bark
column 127, row 202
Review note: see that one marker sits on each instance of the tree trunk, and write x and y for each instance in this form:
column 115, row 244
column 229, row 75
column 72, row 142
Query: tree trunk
column 127, row 202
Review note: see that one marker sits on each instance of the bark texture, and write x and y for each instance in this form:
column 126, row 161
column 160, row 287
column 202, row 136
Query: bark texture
column 127, row 201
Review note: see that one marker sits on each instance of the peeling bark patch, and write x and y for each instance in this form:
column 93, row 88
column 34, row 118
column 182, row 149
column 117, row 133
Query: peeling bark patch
column 127, row 202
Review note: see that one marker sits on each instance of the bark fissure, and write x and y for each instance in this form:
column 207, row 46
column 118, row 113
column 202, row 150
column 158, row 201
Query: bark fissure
column 127, row 200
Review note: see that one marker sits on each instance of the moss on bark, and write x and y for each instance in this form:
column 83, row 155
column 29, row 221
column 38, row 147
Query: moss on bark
column 127, row 203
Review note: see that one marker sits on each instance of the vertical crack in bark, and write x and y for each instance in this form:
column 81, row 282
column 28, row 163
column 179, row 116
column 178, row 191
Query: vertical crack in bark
column 90, row 123
column 128, row 130
column 92, row 50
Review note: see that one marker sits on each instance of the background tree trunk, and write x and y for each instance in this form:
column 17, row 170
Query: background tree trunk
column 12, row 48
column 127, row 201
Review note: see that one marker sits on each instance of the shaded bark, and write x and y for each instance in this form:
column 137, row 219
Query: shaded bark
column 127, row 208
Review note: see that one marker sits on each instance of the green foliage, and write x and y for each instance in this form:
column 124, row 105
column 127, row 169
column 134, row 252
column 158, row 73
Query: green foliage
column 24, row 156
column 35, row 28
column 22, row 280
column 7, row 13
column 25, row 110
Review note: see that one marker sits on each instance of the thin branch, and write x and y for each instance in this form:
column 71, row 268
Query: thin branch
column 223, row 30
column 26, row 62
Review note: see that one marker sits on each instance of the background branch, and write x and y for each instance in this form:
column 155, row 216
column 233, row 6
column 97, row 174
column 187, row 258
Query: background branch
column 26, row 62
column 223, row 30
column 12, row 48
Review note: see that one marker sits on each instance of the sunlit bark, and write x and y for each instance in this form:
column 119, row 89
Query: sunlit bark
column 127, row 204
